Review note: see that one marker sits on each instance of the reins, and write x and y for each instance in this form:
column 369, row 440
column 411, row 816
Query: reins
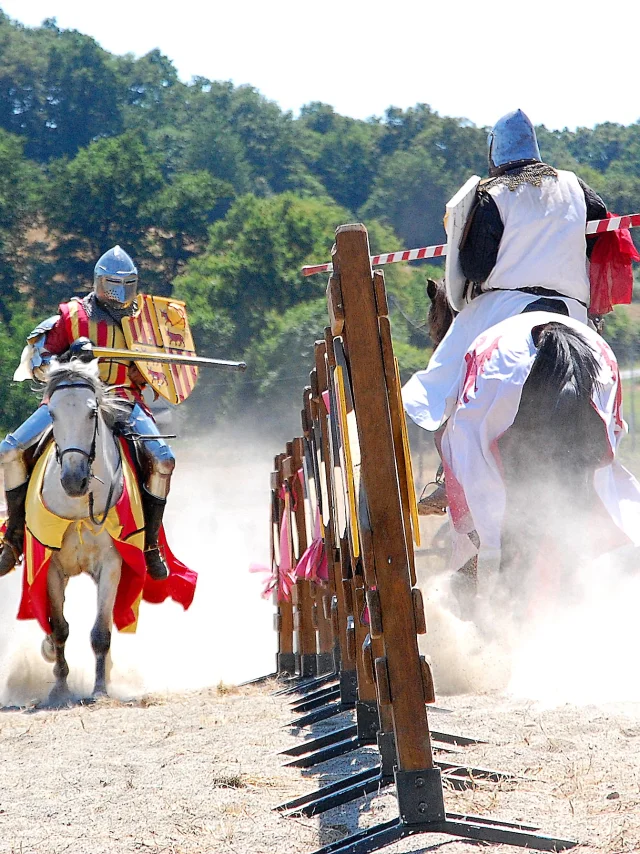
column 90, row 455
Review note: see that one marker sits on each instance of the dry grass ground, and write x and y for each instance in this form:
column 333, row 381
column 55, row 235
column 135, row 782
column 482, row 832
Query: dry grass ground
column 189, row 773
column 198, row 772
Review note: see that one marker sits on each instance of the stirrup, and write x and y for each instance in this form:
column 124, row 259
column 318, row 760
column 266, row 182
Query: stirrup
column 156, row 566
column 434, row 504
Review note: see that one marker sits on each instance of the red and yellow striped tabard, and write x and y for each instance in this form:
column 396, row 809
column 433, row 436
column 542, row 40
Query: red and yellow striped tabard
column 102, row 334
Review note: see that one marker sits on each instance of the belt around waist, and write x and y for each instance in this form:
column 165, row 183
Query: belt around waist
column 537, row 292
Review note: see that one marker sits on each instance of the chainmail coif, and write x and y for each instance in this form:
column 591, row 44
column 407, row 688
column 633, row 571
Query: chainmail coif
column 100, row 313
column 532, row 173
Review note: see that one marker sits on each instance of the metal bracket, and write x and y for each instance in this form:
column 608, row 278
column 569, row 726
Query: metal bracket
column 308, row 665
column 324, row 663
column 348, row 688
column 420, row 796
column 286, row 662
column 387, row 750
column 367, row 721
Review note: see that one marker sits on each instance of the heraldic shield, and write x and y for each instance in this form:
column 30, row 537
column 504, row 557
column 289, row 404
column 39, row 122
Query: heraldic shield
column 161, row 326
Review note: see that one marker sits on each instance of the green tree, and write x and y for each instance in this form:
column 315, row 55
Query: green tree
column 211, row 143
column 82, row 95
column 18, row 400
column 413, row 186
column 153, row 95
column 341, row 152
column 181, row 213
column 96, row 200
column 252, row 264
column 280, row 358
column 401, row 127
column 623, row 334
column 22, row 90
column 58, row 88
column 19, row 196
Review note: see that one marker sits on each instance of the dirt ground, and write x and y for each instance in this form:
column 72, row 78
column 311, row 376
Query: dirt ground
column 198, row 772
column 193, row 771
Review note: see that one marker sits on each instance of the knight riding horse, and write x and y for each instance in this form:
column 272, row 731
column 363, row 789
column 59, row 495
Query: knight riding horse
column 99, row 318
column 520, row 246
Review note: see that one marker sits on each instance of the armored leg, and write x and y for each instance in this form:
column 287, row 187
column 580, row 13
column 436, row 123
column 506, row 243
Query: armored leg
column 159, row 463
column 16, row 477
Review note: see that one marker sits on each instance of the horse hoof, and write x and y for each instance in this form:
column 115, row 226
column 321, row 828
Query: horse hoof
column 59, row 696
column 48, row 650
column 99, row 692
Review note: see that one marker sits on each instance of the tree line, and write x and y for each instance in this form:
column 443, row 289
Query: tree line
column 221, row 197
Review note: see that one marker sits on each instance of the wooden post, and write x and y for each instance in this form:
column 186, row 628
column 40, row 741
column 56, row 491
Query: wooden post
column 339, row 607
column 399, row 671
column 286, row 659
column 367, row 718
column 306, row 628
column 327, row 641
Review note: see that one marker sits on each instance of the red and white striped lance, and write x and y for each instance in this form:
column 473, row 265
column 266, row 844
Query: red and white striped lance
column 594, row 226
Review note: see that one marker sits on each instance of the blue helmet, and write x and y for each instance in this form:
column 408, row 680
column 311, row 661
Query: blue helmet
column 512, row 138
column 115, row 278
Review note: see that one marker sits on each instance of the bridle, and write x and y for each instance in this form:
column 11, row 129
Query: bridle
column 90, row 455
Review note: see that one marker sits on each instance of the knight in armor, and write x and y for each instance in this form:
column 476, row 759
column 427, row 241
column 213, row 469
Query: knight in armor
column 97, row 317
column 523, row 249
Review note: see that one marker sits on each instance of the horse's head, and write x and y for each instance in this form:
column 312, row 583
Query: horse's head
column 75, row 397
column 440, row 315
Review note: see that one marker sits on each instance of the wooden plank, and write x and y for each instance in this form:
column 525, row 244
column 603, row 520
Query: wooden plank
column 306, row 632
column 285, row 609
column 331, row 540
column 325, row 638
column 396, row 426
column 379, row 476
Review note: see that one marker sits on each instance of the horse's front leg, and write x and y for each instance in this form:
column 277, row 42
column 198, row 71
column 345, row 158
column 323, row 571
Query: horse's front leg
column 56, row 583
column 107, row 581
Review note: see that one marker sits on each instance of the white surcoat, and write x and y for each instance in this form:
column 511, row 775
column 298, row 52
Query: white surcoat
column 543, row 246
column 486, row 405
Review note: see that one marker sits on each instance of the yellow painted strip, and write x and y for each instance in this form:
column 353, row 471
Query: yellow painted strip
column 172, row 393
column 132, row 627
column 346, row 444
column 75, row 321
column 411, row 490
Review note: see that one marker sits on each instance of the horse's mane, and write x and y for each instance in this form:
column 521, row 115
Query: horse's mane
column 440, row 315
column 64, row 373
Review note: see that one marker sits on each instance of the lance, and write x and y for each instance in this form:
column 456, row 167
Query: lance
column 594, row 226
column 164, row 358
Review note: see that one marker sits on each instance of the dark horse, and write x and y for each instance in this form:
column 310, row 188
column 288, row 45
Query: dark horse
column 551, row 451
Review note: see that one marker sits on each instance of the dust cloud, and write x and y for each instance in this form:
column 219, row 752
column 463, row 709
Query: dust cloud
column 217, row 523
column 580, row 647
column 575, row 644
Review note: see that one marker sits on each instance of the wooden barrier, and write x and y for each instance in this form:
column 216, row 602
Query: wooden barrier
column 283, row 622
column 303, row 624
column 356, row 434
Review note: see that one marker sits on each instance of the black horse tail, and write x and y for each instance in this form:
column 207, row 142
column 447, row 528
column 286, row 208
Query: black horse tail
column 565, row 371
column 556, row 398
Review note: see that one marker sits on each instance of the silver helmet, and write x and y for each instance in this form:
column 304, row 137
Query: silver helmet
column 115, row 278
column 512, row 138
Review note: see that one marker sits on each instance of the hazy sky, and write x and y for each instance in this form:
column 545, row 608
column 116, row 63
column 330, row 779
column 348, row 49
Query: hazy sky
column 566, row 63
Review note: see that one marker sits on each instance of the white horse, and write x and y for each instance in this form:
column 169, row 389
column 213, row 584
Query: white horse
column 82, row 481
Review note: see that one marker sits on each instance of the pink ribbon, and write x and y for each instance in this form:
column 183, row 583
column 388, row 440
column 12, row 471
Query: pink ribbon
column 313, row 564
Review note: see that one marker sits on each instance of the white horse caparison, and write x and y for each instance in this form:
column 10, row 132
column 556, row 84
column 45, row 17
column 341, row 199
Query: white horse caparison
column 82, row 481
